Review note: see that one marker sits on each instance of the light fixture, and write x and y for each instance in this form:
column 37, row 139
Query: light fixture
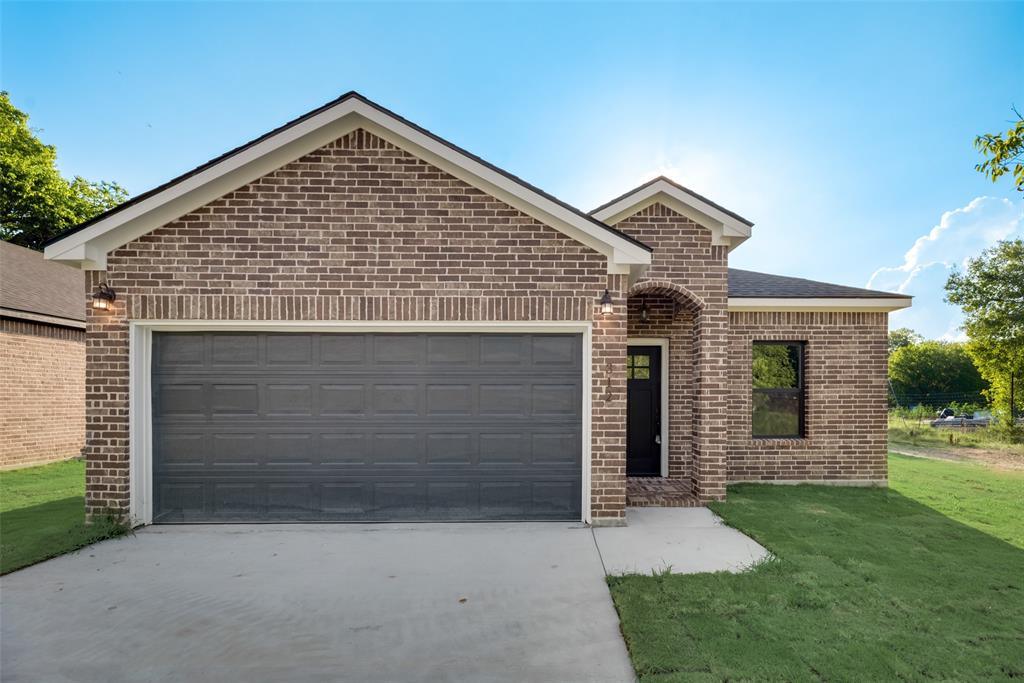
column 644, row 312
column 103, row 297
column 606, row 303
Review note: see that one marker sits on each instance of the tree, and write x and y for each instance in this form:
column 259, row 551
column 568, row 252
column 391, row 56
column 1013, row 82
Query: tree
column 36, row 202
column 934, row 373
column 901, row 337
column 1003, row 155
column 991, row 294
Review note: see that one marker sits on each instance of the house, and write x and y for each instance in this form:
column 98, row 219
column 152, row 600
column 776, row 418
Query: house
column 350, row 318
column 42, row 353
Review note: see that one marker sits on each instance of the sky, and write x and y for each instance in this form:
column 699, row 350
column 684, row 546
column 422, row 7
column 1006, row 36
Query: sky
column 843, row 131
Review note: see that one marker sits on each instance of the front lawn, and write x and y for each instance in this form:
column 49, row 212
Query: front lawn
column 42, row 514
column 923, row 581
column 920, row 434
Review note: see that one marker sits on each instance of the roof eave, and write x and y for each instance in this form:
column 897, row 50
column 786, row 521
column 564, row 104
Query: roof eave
column 881, row 304
column 88, row 245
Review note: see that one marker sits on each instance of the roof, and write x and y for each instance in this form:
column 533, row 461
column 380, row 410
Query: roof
column 665, row 179
column 155, row 207
column 34, row 288
column 745, row 284
column 727, row 227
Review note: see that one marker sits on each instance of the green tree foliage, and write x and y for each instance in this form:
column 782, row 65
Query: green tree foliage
column 1003, row 154
column 36, row 202
column 903, row 336
column 774, row 366
column 934, row 373
column 991, row 294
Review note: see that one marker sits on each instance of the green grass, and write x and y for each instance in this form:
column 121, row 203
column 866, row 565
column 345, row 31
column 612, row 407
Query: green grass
column 910, row 432
column 42, row 514
column 920, row 582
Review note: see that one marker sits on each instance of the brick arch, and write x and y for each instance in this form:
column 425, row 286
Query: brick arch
column 670, row 290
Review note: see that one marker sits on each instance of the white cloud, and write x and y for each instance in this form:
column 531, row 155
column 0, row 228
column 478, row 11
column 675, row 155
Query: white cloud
column 961, row 234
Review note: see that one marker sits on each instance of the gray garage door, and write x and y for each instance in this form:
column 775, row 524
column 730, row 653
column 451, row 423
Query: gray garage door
column 356, row 427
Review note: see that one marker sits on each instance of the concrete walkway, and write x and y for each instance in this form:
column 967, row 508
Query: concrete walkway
column 426, row 602
column 676, row 540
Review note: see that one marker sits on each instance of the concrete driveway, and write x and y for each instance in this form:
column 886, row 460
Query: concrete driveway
column 426, row 602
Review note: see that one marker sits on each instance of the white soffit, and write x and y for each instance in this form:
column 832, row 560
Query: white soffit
column 88, row 247
column 725, row 227
column 820, row 304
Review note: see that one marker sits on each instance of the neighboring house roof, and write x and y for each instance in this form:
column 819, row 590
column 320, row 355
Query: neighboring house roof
column 88, row 244
column 727, row 227
column 32, row 288
column 749, row 290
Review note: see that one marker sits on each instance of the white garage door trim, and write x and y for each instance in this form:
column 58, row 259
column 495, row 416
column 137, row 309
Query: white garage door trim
column 140, row 409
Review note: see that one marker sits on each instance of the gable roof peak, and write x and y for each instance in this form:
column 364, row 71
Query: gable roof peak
column 88, row 244
column 727, row 227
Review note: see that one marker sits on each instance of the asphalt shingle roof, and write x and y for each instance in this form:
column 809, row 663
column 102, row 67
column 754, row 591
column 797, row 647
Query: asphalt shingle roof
column 748, row 284
column 31, row 284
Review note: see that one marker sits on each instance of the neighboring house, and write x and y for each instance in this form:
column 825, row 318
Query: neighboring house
column 42, row 353
column 350, row 318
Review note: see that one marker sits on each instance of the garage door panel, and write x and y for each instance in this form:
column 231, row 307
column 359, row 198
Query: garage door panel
column 347, row 427
column 343, row 449
column 289, row 350
column 291, row 450
column 234, row 350
column 290, row 500
column 342, row 399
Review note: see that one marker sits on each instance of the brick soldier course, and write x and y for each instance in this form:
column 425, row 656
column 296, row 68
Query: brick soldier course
column 379, row 224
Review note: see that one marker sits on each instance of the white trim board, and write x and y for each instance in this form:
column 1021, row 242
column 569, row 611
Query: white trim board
column 88, row 248
column 725, row 228
column 663, row 343
column 820, row 304
column 140, row 390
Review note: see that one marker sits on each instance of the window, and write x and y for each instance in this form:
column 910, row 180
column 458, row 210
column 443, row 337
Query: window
column 638, row 367
column 778, row 400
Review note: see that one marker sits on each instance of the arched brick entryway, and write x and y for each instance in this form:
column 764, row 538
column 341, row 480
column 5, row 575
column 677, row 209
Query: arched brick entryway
column 697, row 331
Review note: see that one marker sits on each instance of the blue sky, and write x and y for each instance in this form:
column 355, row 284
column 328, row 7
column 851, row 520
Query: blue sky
column 842, row 130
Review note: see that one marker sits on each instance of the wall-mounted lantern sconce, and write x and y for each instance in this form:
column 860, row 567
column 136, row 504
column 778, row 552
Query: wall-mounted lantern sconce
column 606, row 303
column 645, row 312
column 103, row 297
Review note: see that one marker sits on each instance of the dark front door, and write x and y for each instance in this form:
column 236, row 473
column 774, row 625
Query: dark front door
column 643, row 411
column 259, row 427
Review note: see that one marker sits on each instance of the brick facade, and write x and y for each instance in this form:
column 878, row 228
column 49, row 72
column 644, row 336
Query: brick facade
column 667, row 319
column 357, row 230
column 361, row 230
column 42, row 393
column 692, row 272
column 845, row 361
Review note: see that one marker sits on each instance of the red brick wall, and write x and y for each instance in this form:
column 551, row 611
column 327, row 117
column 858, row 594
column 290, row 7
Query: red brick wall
column 845, row 378
column 42, row 393
column 688, row 268
column 358, row 230
column 608, row 407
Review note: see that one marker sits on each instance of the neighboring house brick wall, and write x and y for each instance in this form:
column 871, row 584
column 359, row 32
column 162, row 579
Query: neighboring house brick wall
column 687, row 266
column 42, row 393
column 845, row 400
column 358, row 230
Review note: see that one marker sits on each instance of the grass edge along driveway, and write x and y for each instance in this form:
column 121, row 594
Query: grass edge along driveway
column 42, row 514
column 921, row 581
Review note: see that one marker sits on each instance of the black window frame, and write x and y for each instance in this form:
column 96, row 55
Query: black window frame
column 799, row 391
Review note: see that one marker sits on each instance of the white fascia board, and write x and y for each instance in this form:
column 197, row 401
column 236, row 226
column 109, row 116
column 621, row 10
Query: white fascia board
column 304, row 137
column 820, row 304
column 725, row 229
